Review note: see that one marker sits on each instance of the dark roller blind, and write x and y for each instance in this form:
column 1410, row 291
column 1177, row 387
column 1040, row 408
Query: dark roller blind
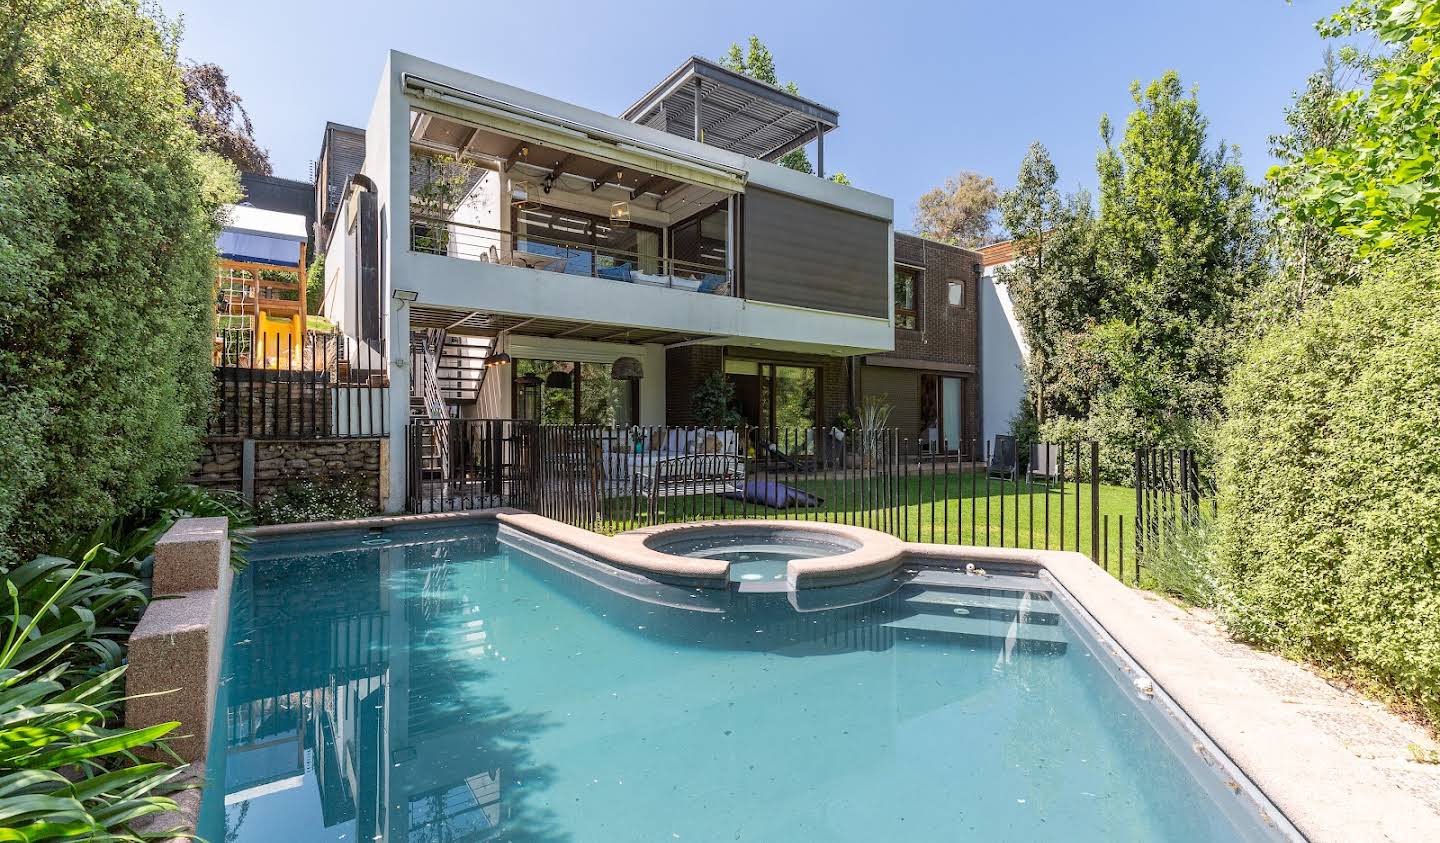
column 802, row 253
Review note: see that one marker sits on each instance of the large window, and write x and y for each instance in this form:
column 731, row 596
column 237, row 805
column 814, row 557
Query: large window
column 781, row 400
column 573, row 393
column 907, row 284
column 588, row 243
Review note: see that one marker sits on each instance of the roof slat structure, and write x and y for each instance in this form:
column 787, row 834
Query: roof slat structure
column 737, row 113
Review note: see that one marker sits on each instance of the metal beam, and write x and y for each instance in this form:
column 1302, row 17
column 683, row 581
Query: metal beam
column 697, row 136
column 820, row 149
column 575, row 330
column 700, row 341
column 510, row 159
column 462, row 320
column 646, row 186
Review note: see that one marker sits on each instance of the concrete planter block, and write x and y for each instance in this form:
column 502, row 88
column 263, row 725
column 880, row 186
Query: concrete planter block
column 194, row 555
column 175, row 654
column 175, row 650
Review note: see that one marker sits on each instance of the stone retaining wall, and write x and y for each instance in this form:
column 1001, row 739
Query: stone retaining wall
column 281, row 462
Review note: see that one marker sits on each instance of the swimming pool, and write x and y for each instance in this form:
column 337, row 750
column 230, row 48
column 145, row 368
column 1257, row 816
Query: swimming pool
column 445, row 685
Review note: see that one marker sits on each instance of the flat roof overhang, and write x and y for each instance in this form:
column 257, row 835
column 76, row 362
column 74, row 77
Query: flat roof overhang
column 737, row 113
column 480, row 323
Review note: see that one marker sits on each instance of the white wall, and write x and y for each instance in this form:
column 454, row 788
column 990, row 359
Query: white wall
column 1002, row 358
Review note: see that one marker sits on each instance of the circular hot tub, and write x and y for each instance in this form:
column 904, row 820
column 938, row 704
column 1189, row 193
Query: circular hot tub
column 769, row 555
column 755, row 553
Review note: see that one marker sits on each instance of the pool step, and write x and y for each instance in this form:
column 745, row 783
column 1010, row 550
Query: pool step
column 960, row 579
column 1037, row 637
column 1028, row 609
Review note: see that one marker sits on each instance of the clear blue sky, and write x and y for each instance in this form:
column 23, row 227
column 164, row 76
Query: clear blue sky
column 924, row 89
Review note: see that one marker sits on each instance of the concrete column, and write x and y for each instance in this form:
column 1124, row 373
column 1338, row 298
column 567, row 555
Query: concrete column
column 399, row 404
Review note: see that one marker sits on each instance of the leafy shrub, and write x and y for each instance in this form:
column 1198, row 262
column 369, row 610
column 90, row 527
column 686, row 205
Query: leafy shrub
column 67, row 771
column 1330, row 481
column 107, row 231
column 315, row 285
column 324, row 499
column 131, row 539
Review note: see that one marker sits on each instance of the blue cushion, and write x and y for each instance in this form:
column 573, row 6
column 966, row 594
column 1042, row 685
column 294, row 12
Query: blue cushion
column 616, row 273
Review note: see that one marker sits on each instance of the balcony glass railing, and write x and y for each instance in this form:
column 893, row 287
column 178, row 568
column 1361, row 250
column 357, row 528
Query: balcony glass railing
column 436, row 236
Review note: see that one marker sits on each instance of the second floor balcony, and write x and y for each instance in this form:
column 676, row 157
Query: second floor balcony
column 630, row 255
column 480, row 194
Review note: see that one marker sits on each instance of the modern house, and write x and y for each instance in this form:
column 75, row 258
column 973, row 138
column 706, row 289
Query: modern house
column 501, row 254
column 1003, row 346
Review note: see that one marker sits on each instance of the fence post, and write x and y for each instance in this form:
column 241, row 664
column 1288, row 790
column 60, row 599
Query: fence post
column 1095, row 501
column 1139, row 502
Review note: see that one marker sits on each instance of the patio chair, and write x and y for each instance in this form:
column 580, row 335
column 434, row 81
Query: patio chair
column 1045, row 462
column 1003, row 465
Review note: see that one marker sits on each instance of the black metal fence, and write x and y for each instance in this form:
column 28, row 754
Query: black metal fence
column 1173, row 487
column 269, row 386
column 459, row 464
column 610, row 479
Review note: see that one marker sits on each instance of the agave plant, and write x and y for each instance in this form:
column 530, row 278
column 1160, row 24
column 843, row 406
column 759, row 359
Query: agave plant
column 67, row 772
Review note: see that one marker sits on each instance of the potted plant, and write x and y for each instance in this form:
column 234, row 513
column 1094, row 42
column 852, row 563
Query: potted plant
column 711, row 403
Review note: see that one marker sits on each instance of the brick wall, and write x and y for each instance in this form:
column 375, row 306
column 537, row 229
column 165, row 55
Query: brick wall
column 942, row 334
column 685, row 368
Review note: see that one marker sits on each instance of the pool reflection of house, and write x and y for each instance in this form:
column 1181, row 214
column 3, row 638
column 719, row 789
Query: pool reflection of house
column 332, row 705
column 379, row 700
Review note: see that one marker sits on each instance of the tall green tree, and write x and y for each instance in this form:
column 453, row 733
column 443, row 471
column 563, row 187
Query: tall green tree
column 756, row 61
column 108, row 218
column 1378, row 181
column 1310, row 257
column 1052, row 282
column 1178, row 246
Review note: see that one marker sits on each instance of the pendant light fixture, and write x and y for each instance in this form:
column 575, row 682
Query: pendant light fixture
column 626, row 369
column 558, row 380
column 620, row 214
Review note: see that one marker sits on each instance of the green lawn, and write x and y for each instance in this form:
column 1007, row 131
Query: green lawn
column 943, row 508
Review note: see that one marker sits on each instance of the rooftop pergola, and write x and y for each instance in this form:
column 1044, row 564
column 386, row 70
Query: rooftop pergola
column 725, row 109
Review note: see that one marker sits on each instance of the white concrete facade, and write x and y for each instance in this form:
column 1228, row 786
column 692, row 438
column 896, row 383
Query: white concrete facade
column 1003, row 353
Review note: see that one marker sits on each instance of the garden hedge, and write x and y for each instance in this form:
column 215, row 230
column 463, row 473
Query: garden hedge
column 107, row 230
column 1329, row 533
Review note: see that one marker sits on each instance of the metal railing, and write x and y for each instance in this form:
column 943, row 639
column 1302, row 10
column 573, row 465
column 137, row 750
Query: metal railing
column 438, row 236
column 485, row 463
column 611, row 479
column 271, row 387
column 1173, row 488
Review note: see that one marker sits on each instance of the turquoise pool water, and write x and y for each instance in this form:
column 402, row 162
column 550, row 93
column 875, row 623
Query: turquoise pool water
column 446, row 686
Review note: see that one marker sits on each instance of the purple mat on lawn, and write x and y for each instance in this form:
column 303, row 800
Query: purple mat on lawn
column 773, row 493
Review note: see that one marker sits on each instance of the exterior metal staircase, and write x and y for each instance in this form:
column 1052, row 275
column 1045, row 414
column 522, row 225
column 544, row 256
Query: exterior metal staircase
column 449, row 370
